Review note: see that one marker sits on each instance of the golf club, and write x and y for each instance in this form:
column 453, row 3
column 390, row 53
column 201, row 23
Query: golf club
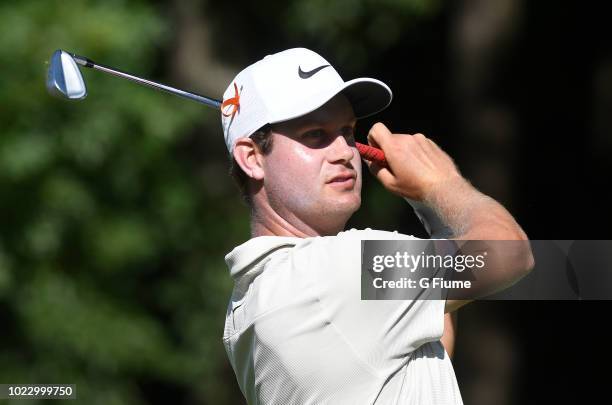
column 64, row 80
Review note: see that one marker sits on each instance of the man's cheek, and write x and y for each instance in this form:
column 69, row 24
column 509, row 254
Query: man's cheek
column 357, row 161
column 303, row 155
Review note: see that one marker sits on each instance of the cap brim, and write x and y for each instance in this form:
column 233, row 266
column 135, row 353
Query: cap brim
column 367, row 96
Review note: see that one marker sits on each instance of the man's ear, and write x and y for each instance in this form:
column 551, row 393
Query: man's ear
column 249, row 158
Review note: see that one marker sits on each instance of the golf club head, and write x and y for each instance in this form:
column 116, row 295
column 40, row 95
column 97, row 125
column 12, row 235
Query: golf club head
column 64, row 78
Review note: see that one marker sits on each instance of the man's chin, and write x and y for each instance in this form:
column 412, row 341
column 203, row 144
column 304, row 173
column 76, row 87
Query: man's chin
column 333, row 214
column 346, row 204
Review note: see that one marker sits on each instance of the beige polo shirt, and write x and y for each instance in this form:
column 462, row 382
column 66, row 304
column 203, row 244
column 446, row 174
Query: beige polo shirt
column 297, row 331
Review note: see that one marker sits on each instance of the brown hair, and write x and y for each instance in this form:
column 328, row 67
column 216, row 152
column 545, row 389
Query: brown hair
column 263, row 140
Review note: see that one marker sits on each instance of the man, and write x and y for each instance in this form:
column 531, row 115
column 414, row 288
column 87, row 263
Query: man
column 296, row 329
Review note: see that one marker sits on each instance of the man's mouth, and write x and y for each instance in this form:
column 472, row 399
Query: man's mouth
column 345, row 179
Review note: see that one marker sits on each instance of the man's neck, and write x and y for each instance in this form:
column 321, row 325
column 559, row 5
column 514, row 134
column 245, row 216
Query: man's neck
column 277, row 226
column 267, row 222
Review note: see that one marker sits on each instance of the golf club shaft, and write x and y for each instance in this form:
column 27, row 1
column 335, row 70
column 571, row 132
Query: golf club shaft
column 366, row 151
column 83, row 61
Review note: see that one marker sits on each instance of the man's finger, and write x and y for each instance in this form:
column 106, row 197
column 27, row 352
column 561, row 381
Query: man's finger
column 381, row 173
column 379, row 135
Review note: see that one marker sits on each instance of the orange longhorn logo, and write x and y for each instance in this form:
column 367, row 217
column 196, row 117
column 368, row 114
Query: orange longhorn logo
column 234, row 102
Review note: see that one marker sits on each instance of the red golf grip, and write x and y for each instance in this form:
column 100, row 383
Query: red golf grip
column 371, row 153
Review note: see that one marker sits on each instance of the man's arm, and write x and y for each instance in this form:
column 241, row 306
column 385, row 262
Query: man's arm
column 450, row 331
column 419, row 170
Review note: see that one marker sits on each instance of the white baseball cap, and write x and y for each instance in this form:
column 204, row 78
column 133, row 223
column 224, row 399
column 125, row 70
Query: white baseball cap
column 290, row 84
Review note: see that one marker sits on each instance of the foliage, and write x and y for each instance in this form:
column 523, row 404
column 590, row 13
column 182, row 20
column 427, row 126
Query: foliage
column 111, row 245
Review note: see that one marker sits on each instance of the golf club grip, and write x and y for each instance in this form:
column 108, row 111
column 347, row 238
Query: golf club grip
column 371, row 153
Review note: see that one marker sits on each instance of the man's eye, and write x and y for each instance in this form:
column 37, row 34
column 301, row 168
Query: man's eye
column 315, row 134
column 317, row 138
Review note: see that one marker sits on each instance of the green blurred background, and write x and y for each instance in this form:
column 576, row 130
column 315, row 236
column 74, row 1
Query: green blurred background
column 116, row 212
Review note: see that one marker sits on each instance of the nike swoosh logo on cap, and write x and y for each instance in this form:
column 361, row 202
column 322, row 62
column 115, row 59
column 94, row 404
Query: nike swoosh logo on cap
column 306, row 75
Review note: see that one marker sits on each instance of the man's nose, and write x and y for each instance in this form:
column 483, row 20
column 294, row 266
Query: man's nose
column 340, row 150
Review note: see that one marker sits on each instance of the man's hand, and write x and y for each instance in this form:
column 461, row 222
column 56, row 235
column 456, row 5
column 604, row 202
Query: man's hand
column 416, row 164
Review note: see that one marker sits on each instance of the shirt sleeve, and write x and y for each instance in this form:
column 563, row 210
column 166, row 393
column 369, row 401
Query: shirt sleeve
column 382, row 332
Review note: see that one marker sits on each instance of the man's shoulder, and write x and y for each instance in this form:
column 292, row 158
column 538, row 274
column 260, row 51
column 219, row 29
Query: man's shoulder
column 255, row 249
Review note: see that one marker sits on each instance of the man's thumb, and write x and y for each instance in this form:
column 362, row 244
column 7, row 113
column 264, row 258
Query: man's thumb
column 379, row 135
